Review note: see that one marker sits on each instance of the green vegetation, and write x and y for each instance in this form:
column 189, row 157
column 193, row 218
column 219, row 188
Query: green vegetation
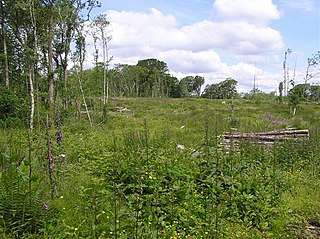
column 153, row 168
column 79, row 160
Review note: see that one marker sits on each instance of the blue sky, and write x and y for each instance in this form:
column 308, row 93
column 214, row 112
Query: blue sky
column 216, row 38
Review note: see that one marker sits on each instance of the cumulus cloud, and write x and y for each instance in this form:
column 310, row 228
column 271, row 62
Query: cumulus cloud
column 236, row 37
column 193, row 49
column 253, row 11
column 193, row 62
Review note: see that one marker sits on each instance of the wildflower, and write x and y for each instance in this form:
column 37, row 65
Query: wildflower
column 76, row 229
column 61, row 196
column 50, row 157
column 62, row 156
column 59, row 131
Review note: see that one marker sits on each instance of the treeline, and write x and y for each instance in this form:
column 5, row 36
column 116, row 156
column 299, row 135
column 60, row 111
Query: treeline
column 148, row 78
column 151, row 78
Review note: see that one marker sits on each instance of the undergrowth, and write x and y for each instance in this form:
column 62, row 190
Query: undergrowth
column 158, row 171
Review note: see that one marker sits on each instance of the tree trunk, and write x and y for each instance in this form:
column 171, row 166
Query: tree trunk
column 104, row 70
column 31, row 94
column 84, row 101
column 65, row 80
column 65, row 68
column 5, row 52
column 50, row 67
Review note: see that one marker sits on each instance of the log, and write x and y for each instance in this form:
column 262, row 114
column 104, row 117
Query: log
column 232, row 140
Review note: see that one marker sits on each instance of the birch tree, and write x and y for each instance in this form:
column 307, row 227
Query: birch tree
column 5, row 70
column 100, row 32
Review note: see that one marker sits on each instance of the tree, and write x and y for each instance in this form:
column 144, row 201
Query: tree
column 298, row 94
column 224, row 90
column 211, row 91
column 153, row 77
column 228, row 88
column 280, row 91
column 312, row 69
column 286, row 70
column 68, row 20
column 198, row 82
column 3, row 10
column 315, row 93
column 193, row 84
column 100, row 32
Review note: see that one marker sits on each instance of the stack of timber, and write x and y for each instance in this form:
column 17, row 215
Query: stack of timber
column 232, row 140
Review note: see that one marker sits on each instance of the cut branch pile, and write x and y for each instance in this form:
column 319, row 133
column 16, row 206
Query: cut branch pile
column 232, row 140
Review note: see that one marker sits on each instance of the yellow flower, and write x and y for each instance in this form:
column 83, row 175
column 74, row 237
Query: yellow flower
column 76, row 229
column 61, row 196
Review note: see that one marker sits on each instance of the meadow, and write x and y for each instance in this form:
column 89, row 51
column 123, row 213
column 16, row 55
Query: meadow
column 154, row 168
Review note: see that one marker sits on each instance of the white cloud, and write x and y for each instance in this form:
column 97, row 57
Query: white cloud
column 193, row 49
column 193, row 62
column 305, row 5
column 253, row 11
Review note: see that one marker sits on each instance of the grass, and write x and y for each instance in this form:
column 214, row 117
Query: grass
column 126, row 177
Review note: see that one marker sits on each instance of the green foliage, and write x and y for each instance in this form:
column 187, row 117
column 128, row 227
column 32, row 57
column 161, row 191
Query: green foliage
column 21, row 209
column 157, row 171
column 12, row 108
column 280, row 88
column 224, row 90
column 191, row 85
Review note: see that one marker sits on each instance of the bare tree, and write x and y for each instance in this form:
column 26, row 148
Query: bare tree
column 286, row 71
column 100, row 32
column 78, row 58
column 312, row 70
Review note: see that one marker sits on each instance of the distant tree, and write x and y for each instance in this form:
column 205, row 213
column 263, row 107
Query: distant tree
column 286, row 70
column 100, row 32
column 228, row 88
column 224, row 90
column 193, row 84
column 198, row 82
column 315, row 93
column 280, row 91
column 298, row 94
column 211, row 91
column 172, row 87
column 183, row 88
column 153, row 77
column 312, row 67
column 175, row 89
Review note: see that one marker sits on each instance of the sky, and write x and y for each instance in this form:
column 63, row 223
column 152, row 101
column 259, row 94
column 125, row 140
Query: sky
column 216, row 39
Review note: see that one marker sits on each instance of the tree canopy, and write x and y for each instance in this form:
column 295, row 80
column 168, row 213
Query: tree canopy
column 224, row 90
